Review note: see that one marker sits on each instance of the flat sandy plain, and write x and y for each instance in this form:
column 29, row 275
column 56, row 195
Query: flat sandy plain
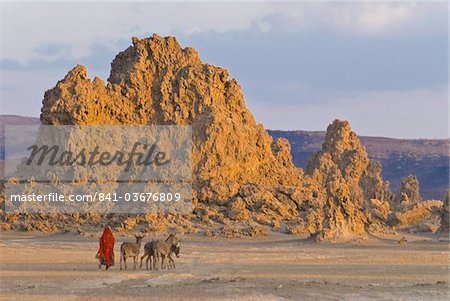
column 276, row 267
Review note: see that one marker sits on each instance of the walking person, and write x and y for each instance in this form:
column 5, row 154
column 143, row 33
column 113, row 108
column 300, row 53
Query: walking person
column 106, row 251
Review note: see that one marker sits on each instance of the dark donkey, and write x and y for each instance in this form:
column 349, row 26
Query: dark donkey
column 148, row 252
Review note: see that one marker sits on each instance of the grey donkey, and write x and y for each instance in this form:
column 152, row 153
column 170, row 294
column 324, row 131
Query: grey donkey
column 163, row 249
column 130, row 249
column 149, row 251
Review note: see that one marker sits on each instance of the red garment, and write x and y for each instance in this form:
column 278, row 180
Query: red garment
column 106, row 252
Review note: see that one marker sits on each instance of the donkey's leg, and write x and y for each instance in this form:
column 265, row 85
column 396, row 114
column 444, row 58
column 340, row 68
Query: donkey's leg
column 162, row 262
column 155, row 258
column 168, row 264
column 172, row 262
column 142, row 258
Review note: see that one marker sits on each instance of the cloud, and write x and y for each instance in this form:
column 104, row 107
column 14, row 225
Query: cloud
column 26, row 27
column 318, row 67
column 352, row 17
column 381, row 18
column 421, row 113
column 381, row 65
column 52, row 51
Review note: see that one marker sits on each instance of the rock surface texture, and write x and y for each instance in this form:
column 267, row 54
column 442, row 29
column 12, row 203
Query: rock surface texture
column 156, row 81
column 412, row 212
column 408, row 194
column 350, row 181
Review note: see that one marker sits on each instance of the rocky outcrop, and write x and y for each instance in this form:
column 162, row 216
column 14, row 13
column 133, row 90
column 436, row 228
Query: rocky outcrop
column 445, row 212
column 156, row 81
column 350, row 181
column 420, row 217
column 428, row 159
column 379, row 210
column 408, row 194
column 410, row 212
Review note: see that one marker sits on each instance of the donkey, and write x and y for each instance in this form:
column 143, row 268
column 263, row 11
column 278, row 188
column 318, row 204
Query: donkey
column 130, row 249
column 165, row 249
column 148, row 252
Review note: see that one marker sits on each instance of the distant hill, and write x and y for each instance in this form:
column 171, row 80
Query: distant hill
column 428, row 159
column 16, row 119
column 12, row 120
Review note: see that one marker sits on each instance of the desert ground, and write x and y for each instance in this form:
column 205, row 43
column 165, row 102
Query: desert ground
column 274, row 267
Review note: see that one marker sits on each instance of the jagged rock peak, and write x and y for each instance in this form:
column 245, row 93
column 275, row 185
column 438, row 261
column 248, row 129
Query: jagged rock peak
column 340, row 137
column 343, row 148
column 160, row 53
column 408, row 193
column 156, row 81
column 350, row 181
column 147, row 79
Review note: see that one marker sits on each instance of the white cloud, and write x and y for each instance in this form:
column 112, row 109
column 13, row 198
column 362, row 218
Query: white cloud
column 371, row 18
column 382, row 17
column 49, row 31
column 27, row 26
column 24, row 27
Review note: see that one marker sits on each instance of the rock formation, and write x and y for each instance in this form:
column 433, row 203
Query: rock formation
column 411, row 212
column 420, row 217
column 236, row 165
column 445, row 212
column 350, row 181
column 408, row 194
column 244, row 183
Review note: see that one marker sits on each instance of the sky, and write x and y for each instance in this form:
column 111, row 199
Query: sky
column 381, row 65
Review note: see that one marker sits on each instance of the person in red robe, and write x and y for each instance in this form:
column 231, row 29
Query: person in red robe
column 106, row 251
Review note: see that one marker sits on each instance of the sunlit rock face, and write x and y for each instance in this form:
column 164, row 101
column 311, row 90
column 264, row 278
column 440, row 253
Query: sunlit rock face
column 156, row 81
column 352, row 185
column 243, row 182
